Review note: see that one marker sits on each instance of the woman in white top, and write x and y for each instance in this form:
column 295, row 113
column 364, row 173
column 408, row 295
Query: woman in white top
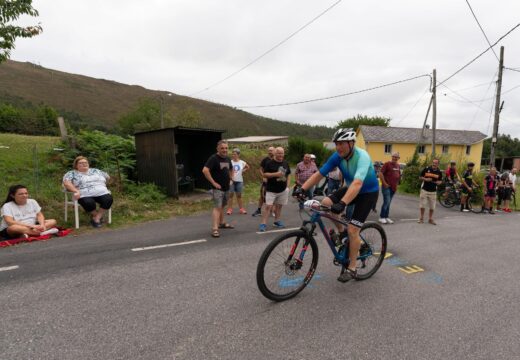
column 23, row 217
column 89, row 186
column 237, row 183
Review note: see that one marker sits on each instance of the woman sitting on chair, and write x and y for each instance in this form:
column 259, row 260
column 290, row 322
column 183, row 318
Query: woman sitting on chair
column 89, row 186
column 23, row 217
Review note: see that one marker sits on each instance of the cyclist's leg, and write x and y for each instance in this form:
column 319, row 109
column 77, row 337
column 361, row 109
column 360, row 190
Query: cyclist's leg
column 333, row 198
column 364, row 204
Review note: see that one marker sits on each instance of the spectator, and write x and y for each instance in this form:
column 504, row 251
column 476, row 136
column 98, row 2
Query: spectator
column 467, row 186
column 23, row 217
column 89, row 186
column 263, row 163
column 335, row 178
column 490, row 193
column 431, row 176
column 504, row 193
column 219, row 172
column 512, row 179
column 304, row 170
column 239, row 167
column 390, row 175
column 277, row 172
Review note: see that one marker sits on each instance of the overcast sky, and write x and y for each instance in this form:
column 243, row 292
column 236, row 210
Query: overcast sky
column 185, row 46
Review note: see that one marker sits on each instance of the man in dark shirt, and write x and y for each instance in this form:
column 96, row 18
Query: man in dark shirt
column 277, row 172
column 467, row 186
column 219, row 172
column 390, row 174
column 263, row 163
column 431, row 177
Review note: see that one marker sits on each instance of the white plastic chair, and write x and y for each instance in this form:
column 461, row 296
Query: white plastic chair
column 75, row 204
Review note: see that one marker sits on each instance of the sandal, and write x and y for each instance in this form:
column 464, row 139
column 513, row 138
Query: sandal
column 432, row 222
column 215, row 233
column 226, row 226
column 420, row 221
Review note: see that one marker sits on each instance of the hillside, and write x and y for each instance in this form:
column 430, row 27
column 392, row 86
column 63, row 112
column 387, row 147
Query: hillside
column 98, row 103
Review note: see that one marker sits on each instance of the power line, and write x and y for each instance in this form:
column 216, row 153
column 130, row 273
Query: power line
column 413, row 107
column 337, row 96
column 481, row 29
column 479, row 55
column 268, row 51
column 511, row 69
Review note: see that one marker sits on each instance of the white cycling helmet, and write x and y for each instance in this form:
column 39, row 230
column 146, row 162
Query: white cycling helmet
column 344, row 135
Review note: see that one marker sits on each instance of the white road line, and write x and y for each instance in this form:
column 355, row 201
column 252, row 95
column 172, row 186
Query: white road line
column 168, row 245
column 409, row 219
column 275, row 231
column 7, row 268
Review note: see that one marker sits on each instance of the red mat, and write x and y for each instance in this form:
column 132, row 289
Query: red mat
column 11, row 242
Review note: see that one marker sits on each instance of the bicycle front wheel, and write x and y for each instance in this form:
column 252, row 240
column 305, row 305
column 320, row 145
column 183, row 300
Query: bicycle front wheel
column 372, row 251
column 282, row 272
column 446, row 200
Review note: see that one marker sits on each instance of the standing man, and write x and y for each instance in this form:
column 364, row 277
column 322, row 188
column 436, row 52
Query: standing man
column 263, row 163
column 512, row 179
column 304, row 170
column 390, row 175
column 219, row 172
column 277, row 172
column 362, row 189
column 467, row 186
column 237, row 184
column 431, row 177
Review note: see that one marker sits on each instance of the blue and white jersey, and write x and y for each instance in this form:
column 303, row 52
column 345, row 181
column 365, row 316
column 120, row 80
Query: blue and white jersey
column 359, row 166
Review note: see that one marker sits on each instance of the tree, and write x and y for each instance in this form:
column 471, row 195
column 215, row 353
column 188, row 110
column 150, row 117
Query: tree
column 189, row 117
column 354, row 122
column 146, row 116
column 506, row 147
column 10, row 10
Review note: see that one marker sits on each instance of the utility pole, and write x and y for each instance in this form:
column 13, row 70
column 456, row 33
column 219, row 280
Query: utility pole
column 434, row 109
column 494, row 138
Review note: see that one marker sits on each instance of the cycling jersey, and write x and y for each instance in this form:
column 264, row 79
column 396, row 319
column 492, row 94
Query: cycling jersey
column 359, row 166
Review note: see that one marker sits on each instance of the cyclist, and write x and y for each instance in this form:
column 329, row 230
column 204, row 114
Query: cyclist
column 467, row 186
column 491, row 181
column 362, row 188
column 452, row 176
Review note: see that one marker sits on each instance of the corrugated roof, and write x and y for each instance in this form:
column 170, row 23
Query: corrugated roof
column 412, row 135
column 254, row 139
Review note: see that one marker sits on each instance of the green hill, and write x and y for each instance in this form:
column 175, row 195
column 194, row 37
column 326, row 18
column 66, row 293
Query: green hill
column 99, row 103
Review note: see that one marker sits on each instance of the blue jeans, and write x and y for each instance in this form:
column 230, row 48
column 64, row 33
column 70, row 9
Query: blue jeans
column 388, row 194
column 332, row 186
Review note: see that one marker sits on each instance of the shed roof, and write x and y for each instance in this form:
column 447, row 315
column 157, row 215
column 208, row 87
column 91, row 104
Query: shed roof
column 256, row 139
column 412, row 135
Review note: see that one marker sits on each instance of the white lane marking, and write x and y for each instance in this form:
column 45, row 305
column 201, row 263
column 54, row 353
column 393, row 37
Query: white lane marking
column 7, row 268
column 168, row 245
column 409, row 219
column 278, row 230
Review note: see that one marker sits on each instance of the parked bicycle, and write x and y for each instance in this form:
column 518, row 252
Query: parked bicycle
column 452, row 196
column 289, row 262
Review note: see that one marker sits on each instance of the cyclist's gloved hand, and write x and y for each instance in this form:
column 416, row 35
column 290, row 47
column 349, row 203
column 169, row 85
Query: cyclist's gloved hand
column 338, row 207
column 299, row 193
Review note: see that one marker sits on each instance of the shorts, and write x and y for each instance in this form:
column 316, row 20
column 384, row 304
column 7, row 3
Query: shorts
column 280, row 198
column 236, row 187
column 4, row 235
column 491, row 193
column 427, row 199
column 220, row 198
column 364, row 203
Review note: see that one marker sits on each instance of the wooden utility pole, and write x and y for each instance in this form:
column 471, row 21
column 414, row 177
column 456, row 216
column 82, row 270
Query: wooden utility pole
column 494, row 138
column 434, row 109
column 63, row 128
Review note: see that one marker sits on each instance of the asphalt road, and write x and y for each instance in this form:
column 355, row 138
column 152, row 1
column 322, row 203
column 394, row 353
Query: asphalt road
column 448, row 292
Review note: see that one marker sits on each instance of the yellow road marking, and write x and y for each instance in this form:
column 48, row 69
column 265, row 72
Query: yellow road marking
column 412, row 269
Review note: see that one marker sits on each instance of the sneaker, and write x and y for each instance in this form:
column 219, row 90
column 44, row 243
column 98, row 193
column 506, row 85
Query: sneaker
column 257, row 212
column 507, row 210
column 262, row 227
column 389, row 221
column 465, row 210
column 382, row 220
column 279, row 224
column 491, row 212
column 242, row 211
column 229, row 211
column 347, row 275
column 49, row 232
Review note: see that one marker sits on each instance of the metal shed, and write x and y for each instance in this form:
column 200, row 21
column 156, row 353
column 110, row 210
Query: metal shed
column 174, row 157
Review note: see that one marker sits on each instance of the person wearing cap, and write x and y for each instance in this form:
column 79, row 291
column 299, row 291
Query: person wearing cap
column 237, row 183
column 451, row 177
column 390, row 175
column 467, row 186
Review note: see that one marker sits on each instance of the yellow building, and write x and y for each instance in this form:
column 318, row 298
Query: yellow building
column 459, row 145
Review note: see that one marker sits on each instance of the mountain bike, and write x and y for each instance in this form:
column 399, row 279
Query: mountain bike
column 474, row 200
column 289, row 262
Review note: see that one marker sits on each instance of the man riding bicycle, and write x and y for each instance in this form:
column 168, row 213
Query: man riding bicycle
column 362, row 188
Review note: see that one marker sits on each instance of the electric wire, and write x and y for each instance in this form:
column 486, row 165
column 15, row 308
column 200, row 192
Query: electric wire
column 268, row 51
column 511, row 69
column 479, row 55
column 481, row 29
column 413, row 107
column 336, row 96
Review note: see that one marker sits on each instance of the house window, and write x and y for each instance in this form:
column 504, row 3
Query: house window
column 388, row 148
column 420, row 150
column 468, row 149
column 445, row 149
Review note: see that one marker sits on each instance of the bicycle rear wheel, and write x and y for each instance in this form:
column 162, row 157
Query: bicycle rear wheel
column 280, row 275
column 372, row 251
column 475, row 203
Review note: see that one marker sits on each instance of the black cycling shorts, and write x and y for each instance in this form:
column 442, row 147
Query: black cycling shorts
column 363, row 204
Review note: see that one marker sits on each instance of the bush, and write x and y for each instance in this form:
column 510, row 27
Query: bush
column 299, row 147
column 146, row 193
